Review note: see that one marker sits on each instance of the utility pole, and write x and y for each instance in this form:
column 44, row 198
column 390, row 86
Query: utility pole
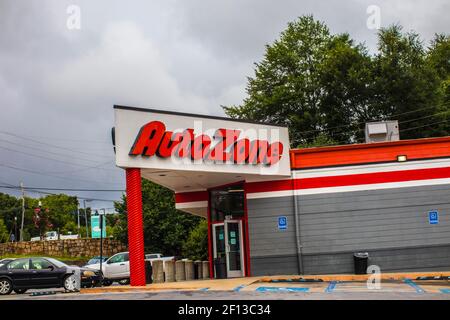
column 78, row 218
column 85, row 218
column 101, row 241
column 23, row 211
column 15, row 228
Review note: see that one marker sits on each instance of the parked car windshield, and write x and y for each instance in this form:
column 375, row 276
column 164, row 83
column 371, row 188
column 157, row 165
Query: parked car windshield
column 96, row 260
column 57, row 263
column 4, row 261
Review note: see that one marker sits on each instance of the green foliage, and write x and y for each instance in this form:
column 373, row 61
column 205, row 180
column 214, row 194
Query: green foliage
column 62, row 214
column 319, row 141
column 4, row 235
column 196, row 245
column 165, row 228
column 318, row 83
column 69, row 228
column 62, row 209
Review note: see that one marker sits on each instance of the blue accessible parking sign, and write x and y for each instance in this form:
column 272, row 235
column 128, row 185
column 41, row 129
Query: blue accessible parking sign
column 282, row 223
column 433, row 217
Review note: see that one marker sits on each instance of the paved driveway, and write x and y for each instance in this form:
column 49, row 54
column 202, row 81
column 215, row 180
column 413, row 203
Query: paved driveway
column 326, row 290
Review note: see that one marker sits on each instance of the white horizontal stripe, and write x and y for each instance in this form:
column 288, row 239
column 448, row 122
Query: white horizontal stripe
column 371, row 168
column 375, row 186
column 270, row 194
column 193, row 204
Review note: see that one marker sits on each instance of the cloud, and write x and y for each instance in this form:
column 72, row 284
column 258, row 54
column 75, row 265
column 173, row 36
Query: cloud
column 125, row 68
column 59, row 85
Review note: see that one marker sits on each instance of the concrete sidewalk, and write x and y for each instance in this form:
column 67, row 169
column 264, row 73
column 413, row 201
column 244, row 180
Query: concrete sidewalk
column 236, row 284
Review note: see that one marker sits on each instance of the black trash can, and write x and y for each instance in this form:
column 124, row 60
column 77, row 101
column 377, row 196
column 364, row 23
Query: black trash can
column 220, row 265
column 360, row 260
column 197, row 270
column 148, row 272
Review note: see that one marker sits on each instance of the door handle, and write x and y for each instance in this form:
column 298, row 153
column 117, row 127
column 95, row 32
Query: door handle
column 122, row 264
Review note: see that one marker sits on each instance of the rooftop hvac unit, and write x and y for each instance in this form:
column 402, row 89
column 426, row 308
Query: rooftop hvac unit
column 382, row 131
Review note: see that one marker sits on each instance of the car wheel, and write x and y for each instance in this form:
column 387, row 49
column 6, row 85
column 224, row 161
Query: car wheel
column 124, row 282
column 70, row 283
column 107, row 283
column 20, row 291
column 5, row 286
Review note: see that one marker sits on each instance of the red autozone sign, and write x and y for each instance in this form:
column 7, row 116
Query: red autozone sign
column 225, row 145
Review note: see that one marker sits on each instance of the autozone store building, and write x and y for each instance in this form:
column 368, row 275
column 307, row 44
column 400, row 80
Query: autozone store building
column 275, row 210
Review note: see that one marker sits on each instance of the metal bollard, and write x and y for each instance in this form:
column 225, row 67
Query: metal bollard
column 189, row 269
column 158, row 272
column 77, row 275
column 180, row 274
column 170, row 271
column 198, row 269
column 205, row 269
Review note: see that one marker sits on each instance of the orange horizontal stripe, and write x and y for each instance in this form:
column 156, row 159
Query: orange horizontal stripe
column 370, row 153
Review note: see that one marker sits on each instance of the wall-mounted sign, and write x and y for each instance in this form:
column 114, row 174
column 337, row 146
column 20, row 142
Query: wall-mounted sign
column 95, row 227
column 172, row 141
column 224, row 145
column 282, row 223
column 433, row 217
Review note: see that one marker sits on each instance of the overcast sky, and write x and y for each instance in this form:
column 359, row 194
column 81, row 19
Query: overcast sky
column 58, row 85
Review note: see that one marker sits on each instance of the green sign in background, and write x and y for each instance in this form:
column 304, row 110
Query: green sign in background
column 95, row 227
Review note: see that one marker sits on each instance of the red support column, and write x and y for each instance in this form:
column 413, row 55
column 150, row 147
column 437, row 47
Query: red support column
column 135, row 227
column 210, row 240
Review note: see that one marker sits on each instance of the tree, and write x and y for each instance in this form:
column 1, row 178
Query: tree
column 41, row 221
column 4, row 235
column 320, row 84
column 405, row 86
column 308, row 80
column 196, row 245
column 165, row 228
column 439, row 59
column 10, row 208
column 62, row 208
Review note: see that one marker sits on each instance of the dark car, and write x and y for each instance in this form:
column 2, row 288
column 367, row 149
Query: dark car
column 42, row 273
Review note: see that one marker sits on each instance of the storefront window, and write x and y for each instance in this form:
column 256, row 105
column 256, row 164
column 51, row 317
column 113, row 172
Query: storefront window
column 228, row 201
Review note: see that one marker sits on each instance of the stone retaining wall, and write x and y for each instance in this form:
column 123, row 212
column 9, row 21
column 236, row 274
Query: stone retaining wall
column 68, row 248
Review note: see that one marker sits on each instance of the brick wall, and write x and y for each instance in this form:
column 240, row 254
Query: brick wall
column 70, row 248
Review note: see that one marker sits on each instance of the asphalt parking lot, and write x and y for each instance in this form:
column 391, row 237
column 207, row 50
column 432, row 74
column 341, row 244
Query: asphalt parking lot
column 326, row 290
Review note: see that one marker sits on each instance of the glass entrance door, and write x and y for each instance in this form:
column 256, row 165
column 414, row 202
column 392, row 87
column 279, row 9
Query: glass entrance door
column 233, row 248
column 228, row 243
column 226, row 214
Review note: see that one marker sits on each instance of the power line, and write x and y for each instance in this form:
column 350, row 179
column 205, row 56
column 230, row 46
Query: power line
column 75, row 140
column 426, row 117
column 62, row 189
column 49, row 144
column 52, row 152
column 50, row 175
column 57, row 160
column 402, row 122
column 427, row 125
column 50, row 193
column 360, row 123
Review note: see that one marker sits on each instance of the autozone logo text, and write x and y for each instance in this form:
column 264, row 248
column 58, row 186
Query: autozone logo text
column 224, row 146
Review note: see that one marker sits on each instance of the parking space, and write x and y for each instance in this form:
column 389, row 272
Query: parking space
column 258, row 288
column 287, row 287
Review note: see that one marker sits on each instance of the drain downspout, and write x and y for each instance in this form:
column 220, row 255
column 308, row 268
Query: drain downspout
column 297, row 226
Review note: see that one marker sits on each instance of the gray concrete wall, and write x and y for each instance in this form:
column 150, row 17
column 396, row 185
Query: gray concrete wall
column 391, row 224
column 272, row 251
